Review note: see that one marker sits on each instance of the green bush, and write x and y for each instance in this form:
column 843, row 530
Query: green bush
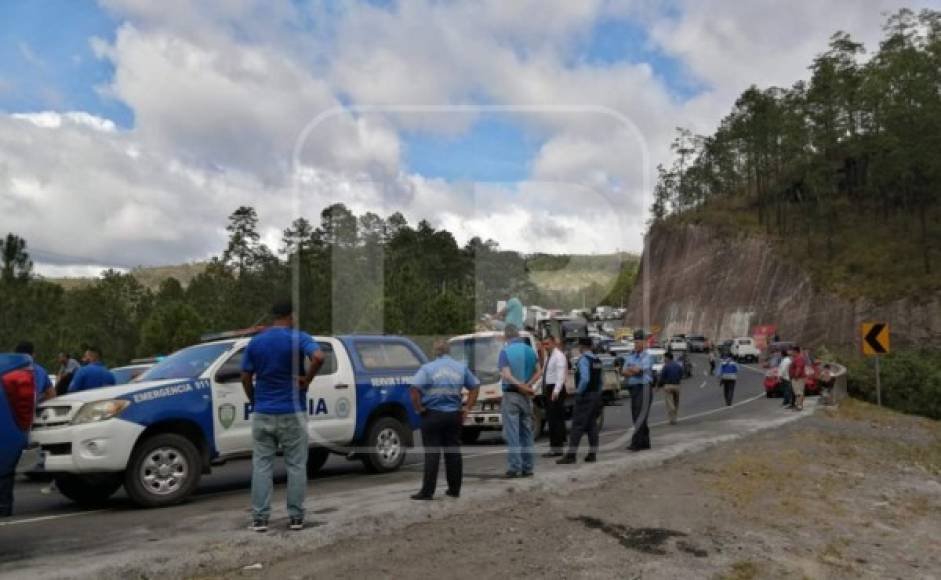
column 911, row 381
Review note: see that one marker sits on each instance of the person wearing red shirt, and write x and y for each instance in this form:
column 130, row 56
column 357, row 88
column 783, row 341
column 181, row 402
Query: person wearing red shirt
column 798, row 376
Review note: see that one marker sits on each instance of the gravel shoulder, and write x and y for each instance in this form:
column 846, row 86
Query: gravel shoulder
column 845, row 493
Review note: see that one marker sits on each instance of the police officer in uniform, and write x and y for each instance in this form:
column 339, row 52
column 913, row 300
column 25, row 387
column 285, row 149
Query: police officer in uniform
column 588, row 404
column 436, row 396
column 638, row 370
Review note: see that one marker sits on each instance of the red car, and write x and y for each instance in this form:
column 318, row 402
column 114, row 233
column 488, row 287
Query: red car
column 773, row 384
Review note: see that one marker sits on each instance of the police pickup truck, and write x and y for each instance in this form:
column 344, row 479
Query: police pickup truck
column 158, row 435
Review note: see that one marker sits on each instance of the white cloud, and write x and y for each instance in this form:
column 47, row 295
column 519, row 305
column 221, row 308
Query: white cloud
column 221, row 91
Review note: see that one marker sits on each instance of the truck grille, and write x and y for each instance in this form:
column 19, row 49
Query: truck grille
column 52, row 416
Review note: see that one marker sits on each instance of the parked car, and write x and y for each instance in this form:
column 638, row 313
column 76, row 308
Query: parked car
column 697, row 342
column 678, row 344
column 725, row 348
column 772, row 383
column 774, row 352
column 656, row 359
column 744, row 349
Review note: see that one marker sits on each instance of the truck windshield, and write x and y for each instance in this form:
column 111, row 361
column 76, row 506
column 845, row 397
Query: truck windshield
column 481, row 355
column 189, row 363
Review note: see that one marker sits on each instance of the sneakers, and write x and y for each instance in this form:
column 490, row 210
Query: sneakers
column 422, row 497
column 552, row 454
column 259, row 525
column 566, row 460
column 527, row 474
column 511, row 475
column 591, row 458
column 296, row 524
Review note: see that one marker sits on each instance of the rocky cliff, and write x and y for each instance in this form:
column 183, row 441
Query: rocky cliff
column 693, row 280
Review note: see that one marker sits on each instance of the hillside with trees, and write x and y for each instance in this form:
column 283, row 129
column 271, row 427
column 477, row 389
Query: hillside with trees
column 844, row 169
column 348, row 273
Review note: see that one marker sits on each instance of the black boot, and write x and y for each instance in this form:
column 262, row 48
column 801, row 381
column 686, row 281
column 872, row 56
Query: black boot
column 567, row 459
column 591, row 458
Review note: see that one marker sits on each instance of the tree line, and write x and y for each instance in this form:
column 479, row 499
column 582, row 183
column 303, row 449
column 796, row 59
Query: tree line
column 347, row 274
column 856, row 146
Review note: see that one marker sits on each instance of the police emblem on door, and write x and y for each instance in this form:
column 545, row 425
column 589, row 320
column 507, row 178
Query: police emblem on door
column 226, row 415
column 343, row 408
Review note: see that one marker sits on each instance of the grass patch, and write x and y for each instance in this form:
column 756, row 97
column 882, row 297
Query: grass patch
column 744, row 570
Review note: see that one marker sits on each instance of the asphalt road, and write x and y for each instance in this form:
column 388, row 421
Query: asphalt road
column 44, row 523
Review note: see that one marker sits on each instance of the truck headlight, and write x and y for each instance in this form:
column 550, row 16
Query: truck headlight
column 100, row 410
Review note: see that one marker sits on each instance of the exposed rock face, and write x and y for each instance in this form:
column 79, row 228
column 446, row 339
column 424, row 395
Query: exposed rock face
column 695, row 281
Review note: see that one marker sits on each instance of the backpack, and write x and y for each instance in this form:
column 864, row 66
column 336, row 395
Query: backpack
column 17, row 404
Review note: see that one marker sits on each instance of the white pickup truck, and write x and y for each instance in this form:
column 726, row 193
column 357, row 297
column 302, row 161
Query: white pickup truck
column 480, row 352
column 745, row 350
column 157, row 435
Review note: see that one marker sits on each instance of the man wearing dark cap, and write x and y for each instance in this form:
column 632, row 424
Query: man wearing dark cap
column 271, row 369
column 588, row 403
column 637, row 369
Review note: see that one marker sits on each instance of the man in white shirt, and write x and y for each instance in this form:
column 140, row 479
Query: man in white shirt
column 554, row 373
column 784, row 379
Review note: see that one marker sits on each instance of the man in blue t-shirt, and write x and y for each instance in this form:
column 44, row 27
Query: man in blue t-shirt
column 276, row 388
column 436, row 395
column 93, row 375
column 520, row 372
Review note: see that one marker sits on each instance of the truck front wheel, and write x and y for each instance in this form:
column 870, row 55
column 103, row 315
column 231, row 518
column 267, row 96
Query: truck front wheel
column 470, row 435
column 386, row 442
column 164, row 470
column 88, row 490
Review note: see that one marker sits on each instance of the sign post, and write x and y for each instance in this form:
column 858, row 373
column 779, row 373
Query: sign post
column 876, row 343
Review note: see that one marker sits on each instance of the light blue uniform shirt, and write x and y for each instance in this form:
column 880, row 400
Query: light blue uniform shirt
column 520, row 358
column 643, row 361
column 440, row 383
column 584, row 372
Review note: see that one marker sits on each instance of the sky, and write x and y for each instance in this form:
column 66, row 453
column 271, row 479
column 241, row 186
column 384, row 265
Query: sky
column 130, row 129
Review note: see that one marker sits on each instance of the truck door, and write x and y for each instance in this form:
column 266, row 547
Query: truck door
column 231, row 420
column 331, row 400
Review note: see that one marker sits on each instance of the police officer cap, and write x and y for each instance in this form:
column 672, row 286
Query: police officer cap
column 584, row 341
column 639, row 335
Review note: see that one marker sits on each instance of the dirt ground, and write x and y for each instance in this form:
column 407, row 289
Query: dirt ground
column 845, row 494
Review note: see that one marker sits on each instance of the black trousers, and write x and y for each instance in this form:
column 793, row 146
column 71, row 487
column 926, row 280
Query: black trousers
column 6, row 490
column 641, row 400
column 585, row 421
column 555, row 416
column 728, row 389
column 441, row 433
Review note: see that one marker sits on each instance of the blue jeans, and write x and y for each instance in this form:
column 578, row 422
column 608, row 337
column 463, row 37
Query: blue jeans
column 517, row 412
column 268, row 431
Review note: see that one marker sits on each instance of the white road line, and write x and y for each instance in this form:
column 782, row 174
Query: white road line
column 52, row 517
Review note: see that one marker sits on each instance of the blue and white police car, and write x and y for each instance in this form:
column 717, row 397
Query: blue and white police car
column 158, row 435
